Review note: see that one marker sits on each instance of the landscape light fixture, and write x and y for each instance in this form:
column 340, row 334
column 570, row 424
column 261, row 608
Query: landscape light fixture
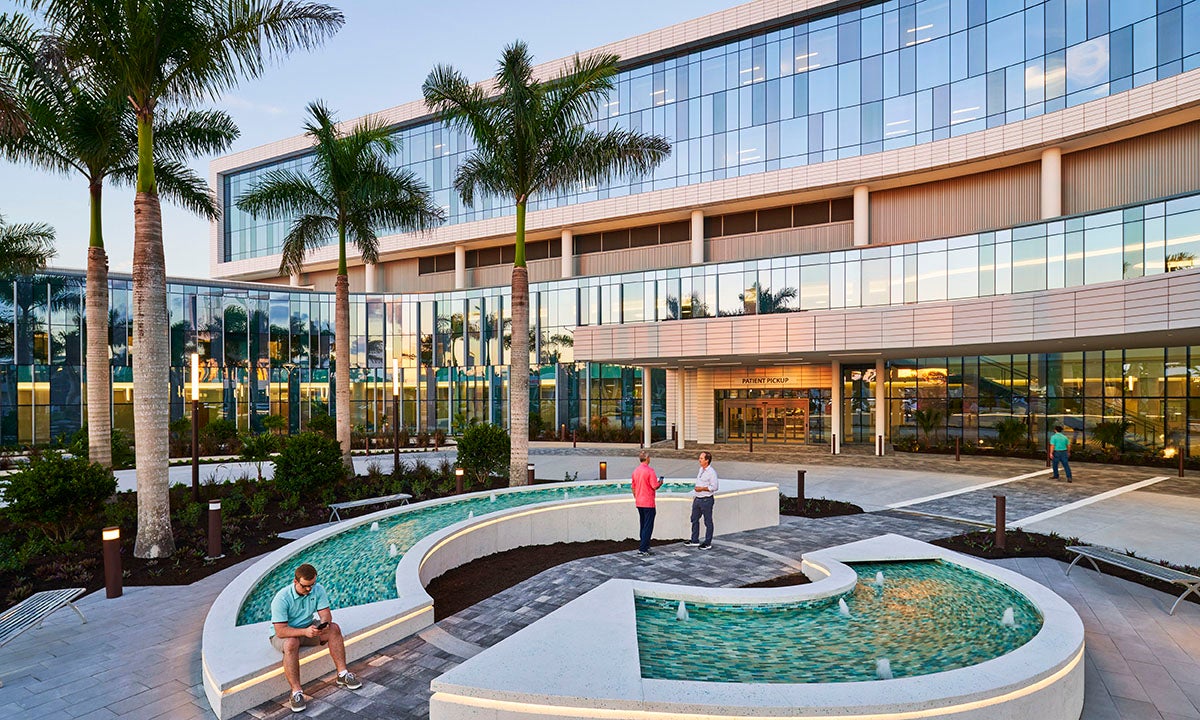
column 458, row 480
column 111, row 539
column 603, row 470
column 196, row 427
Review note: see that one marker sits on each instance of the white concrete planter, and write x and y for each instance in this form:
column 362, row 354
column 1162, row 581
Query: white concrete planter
column 242, row 670
column 581, row 661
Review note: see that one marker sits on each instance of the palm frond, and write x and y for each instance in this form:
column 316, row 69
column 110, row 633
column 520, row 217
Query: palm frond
column 180, row 184
column 284, row 193
column 308, row 232
column 25, row 248
column 578, row 92
column 590, row 157
column 184, row 133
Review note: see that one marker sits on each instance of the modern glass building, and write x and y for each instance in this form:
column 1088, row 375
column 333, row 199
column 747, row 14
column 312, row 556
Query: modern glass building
column 987, row 209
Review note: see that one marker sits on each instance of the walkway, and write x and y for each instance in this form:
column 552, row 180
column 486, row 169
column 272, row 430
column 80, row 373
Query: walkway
column 138, row 656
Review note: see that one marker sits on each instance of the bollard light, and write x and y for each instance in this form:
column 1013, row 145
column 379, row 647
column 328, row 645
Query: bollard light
column 196, row 427
column 214, row 530
column 1001, row 521
column 458, row 480
column 800, row 487
column 529, row 472
column 111, row 539
column 603, row 470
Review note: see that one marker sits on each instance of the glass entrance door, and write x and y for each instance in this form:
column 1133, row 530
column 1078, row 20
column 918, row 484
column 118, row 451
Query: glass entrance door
column 774, row 420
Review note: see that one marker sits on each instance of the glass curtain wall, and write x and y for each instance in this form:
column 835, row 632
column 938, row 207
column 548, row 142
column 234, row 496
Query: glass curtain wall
column 862, row 80
column 1152, row 394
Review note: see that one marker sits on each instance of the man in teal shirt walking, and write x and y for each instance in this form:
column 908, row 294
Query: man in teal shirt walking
column 1060, row 451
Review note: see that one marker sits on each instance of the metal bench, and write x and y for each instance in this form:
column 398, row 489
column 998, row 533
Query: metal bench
column 1190, row 583
column 31, row 611
column 403, row 499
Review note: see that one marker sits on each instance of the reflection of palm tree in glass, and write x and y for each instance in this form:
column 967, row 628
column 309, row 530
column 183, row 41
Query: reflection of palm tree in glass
column 1180, row 261
column 767, row 301
column 695, row 307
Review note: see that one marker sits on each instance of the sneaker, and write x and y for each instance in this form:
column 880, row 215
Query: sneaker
column 706, row 546
column 298, row 704
column 349, row 681
column 1068, row 479
column 691, row 543
column 1053, row 477
column 643, row 553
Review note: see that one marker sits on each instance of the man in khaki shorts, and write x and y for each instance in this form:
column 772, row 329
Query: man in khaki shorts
column 292, row 612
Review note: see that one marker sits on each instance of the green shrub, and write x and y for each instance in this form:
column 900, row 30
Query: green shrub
column 484, row 449
column 122, row 450
column 56, row 494
column 219, row 436
column 1010, row 432
column 276, row 424
column 257, row 448
column 308, row 464
column 323, row 424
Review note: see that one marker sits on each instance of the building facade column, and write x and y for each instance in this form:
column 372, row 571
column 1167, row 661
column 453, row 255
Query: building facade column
column 646, row 406
column 1051, row 176
column 460, row 267
column 681, row 407
column 369, row 276
column 697, row 237
column 568, row 254
column 881, row 408
column 835, row 407
column 862, row 216
column 294, row 279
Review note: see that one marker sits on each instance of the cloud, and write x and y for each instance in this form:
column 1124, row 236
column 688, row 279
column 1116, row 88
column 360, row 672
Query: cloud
column 234, row 102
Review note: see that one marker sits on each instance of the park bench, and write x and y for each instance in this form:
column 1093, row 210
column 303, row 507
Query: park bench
column 1190, row 583
column 402, row 498
column 30, row 612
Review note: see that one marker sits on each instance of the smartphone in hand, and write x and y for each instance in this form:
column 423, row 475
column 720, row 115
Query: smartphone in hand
column 323, row 625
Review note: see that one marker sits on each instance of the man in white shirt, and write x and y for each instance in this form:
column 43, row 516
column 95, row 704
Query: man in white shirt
column 702, row 502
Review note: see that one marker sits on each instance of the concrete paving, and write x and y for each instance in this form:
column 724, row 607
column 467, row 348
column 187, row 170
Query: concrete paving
column 139, row 656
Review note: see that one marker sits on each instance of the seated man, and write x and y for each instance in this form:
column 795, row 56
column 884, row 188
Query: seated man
column 292, row 612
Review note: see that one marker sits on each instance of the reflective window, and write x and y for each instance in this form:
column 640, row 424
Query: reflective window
column 866, row 80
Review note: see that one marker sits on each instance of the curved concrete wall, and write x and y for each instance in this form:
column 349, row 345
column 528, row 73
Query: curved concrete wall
column 242, row 670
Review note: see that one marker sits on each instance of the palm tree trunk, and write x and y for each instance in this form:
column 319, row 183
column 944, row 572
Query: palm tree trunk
column 98, row 368
column 151, row 389
column 518, row 378
column 152, row 357
column 341, row 361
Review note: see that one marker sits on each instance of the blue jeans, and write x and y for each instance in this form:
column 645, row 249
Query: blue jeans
column 1060, row 456
column 646, row 519
column 702, row 507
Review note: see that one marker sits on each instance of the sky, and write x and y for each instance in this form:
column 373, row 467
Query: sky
column 378, row 60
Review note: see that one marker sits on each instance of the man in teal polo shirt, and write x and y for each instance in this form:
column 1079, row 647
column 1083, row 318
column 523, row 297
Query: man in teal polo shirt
column 292, row 613
column 1060, row 452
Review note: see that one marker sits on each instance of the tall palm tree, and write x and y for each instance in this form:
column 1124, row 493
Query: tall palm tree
column 352, row 191
column 75, row 128
column 530, row 139
column 181, row 51
column 24, row 248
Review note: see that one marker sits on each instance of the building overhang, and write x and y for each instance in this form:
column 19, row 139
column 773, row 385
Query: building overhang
column 1156, row 311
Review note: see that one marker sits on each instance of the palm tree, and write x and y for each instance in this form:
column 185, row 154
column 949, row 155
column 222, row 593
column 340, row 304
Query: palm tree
column 75, row 128
column 183, row 51
column 530, row 139
column 25, row 248
column 352, row 191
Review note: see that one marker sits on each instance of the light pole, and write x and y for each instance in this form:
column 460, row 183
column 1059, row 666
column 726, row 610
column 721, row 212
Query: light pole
column 290, row 366
column 196, row 427
column 395, row 416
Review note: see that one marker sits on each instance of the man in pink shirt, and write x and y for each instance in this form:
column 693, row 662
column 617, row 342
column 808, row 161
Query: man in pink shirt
column 645, row 482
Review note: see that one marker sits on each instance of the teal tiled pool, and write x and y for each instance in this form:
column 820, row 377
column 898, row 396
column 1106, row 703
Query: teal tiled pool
column 930, row 616
column 357, row 566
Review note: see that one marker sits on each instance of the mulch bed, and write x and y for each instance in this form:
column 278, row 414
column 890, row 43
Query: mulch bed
column 465, row 585
column 816, row 507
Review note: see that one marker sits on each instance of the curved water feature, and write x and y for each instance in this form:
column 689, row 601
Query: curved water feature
column 933, row 616
column 593, row 658
column 381, row 598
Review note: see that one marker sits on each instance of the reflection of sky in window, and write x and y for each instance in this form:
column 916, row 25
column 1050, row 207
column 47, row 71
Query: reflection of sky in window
column 874, row 78
column 1087, row 64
